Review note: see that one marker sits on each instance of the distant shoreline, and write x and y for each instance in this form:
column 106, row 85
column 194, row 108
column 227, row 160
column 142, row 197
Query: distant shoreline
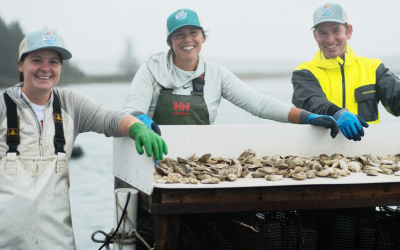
column 122, row 78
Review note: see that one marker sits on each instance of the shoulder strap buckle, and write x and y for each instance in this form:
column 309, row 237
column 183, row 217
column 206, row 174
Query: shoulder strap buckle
column 198, row 84
column 59, row 139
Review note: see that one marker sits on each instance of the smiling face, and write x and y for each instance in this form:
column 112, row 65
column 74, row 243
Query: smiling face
column 332, row 39
column 186, row 43
column 41, row 70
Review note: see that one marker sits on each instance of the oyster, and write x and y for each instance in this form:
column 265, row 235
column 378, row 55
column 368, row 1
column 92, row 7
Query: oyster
column 392, row 167
column 324, row 157
column 373, row 168
column 392, row 158
column 182, row 161
column 256, row 165
column 219, row 177
column 343, row 165
column 203, row 176
column 371, row 172
column 193, row 157
column 297, row 161
column 268, row 170
column 172, row 178
column 336, row 156
column 283, row 172
column 273, row 177
column 163, row 171
column 231, row 177
column 246, row 155
column 159, row 180
column 323, row 173
column 189, row 181
column 225, row 171
column 190, row 175
column 245, row 172
column 298, row 170
column 334, row 174
column 210, row 181
column 204, row 158
column 237, row 170
column 354, row 166
column 310, row 175
column 387, row 171
column 180, row 169
column 373, row 160
column 202, row 168
column 299, row 175
column 315, row 165
column 387, row 162
column 258, row 175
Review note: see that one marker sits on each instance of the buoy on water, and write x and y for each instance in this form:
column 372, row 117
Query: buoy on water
column 76, row 152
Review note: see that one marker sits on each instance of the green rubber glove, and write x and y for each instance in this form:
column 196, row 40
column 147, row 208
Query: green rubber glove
column 151, row 141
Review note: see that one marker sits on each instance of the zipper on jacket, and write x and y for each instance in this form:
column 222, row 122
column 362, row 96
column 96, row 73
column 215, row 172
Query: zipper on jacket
column 343, row 84
column 33, row 112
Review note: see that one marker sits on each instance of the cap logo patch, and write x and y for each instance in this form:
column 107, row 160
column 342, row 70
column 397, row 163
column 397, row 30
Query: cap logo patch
column 49, row 38
column 181, row 15
column 326, row 11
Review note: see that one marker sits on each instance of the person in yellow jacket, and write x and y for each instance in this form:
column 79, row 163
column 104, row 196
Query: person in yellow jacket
column 341, row 84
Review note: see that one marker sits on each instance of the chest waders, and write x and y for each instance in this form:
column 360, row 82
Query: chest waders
column 182, row 109
column 34, row 191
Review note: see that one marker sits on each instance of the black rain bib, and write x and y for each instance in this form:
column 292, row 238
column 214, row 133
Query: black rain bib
column 182, row 109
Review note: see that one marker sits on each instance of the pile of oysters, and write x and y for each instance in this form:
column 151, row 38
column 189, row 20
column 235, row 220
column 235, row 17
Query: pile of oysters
column 212, row 170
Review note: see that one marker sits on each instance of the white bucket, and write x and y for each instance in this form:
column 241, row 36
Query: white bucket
column 131, row 210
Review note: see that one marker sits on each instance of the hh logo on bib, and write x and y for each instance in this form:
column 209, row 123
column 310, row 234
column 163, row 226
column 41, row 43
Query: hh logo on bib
column 181, row 107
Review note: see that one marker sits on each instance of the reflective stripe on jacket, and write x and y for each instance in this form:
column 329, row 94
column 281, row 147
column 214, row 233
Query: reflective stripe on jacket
column 357, row 83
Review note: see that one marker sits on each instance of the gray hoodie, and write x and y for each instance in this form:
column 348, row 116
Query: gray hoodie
column 160, row 70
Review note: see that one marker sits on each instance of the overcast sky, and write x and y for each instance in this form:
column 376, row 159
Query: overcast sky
column 244, row 35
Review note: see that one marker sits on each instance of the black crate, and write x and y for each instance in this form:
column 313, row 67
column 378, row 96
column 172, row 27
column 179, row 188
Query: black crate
column 289, row 237
column 145, row 229
column 307, row 234
column 249, row 231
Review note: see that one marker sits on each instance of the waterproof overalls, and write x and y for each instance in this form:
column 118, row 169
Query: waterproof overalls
column 174, row 109
column 34, row 192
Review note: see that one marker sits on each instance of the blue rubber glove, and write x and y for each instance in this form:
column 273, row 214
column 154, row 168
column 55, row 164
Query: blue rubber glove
column 146, row 120
column 324, row 121
column 351, row 125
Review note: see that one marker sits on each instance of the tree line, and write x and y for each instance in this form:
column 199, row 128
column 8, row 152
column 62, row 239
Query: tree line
column 11, row 37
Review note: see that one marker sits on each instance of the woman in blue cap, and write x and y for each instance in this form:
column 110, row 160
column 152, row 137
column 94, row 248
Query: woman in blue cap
column 178, row 87
column 39, row 124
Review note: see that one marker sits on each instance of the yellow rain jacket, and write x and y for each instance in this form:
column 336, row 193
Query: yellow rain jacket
column 324, row 86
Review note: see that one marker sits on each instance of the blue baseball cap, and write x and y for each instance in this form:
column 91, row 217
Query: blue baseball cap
column 330, row 12
column 180, row 18
column 43, row 39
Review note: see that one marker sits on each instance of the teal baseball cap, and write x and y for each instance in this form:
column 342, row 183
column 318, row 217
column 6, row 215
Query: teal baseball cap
column 180, row 18
column 43, row 39
column 330, row 12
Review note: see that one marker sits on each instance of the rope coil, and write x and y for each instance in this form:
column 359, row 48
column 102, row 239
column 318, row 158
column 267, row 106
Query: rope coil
column 122, row 237
column 128, row 238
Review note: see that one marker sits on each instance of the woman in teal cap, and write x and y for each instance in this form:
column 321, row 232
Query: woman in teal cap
column 178, row 87
column 39, row 124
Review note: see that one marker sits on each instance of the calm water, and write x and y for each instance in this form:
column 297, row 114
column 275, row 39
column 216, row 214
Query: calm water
column 92, row 181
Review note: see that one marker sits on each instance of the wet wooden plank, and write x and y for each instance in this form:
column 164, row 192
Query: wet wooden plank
column 167, row 228
column 173, row 201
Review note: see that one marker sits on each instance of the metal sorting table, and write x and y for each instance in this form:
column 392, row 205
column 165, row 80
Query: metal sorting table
column 167, row 201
